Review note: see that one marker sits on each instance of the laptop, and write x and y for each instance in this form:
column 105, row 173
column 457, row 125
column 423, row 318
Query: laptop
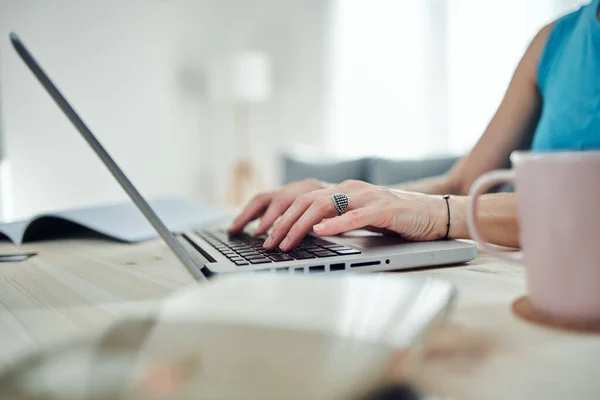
column 210, row 250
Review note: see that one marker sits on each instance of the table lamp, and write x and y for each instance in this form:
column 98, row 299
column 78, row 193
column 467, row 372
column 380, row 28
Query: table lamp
column 3, row 171
column 250, row 80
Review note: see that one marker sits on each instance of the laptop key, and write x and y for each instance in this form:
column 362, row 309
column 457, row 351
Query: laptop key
column 281, row 257
column 271, row 252
column 347, row 252
column 310, row 247
column 250, row 250
column 324, row 253
column 339, row 248
column 334, row 246
column 302, row 255
column 249, row 253
column 256, row 257
column 260, row 261
column 240, row 263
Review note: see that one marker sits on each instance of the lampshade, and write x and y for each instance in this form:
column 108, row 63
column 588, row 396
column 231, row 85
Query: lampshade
column 1, row 123
column 251, row 77
column 244, row 77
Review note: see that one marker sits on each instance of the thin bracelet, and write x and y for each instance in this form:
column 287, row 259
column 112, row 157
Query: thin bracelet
column 447, row 198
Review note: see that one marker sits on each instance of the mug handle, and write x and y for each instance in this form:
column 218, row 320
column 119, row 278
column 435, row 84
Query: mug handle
column 479, row 187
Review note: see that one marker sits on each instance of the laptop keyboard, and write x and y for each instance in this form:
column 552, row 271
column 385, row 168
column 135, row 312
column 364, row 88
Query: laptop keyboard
column 244, row 249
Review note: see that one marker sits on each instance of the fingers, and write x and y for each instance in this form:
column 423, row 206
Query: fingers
column 275, row 203
column 321, row 208
column 294, row 212
column 253, row 210
column 274, row 211
column 352, row 220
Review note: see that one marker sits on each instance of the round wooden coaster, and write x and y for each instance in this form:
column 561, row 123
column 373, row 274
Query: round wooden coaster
column 523, row 308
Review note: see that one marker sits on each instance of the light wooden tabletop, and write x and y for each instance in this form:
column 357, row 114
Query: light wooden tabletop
column 77, row 286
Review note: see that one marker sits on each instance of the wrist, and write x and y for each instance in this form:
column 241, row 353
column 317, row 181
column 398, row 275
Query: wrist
column 451, row 211
column 458, row 220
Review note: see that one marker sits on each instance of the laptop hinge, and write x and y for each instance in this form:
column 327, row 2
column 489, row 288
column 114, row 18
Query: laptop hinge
column 200, row 256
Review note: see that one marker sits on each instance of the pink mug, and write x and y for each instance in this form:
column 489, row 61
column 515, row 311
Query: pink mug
column 559, row 219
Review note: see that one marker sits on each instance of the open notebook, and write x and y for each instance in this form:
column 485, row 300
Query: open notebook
column 122, row 222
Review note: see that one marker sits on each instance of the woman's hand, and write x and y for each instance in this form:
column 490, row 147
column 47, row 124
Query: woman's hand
column 414, row 216
column 271, row 205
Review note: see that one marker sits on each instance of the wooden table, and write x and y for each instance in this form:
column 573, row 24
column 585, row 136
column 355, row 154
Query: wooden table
column 76, row 286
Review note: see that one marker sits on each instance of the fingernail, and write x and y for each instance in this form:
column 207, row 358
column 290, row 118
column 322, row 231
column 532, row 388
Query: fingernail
column 319, row 227
column 268, row 242
column 284, row 244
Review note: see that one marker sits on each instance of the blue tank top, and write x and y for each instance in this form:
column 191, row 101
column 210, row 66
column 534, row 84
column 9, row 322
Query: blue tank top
column 569, row 83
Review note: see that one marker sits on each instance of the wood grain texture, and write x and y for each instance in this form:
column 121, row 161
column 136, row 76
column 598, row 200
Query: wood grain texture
column 79, row 286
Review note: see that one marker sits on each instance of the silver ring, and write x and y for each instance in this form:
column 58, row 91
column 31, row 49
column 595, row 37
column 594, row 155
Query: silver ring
column 341, row 201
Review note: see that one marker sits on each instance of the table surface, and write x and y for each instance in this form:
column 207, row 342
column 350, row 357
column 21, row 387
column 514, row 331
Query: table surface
column 79, row 286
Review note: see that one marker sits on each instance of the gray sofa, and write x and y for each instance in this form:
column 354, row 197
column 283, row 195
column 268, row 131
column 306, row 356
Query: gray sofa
column 379, row 171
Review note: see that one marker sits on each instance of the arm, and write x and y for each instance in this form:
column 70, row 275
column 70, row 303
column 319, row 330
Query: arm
column 514, row 122
column 497, row 217
column 414, row 216
column 512, row 125
column 434, row 185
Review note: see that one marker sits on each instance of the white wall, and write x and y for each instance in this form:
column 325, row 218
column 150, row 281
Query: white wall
column 389, row 94
column 135, row 71
column 481, row 65
column 415, row 78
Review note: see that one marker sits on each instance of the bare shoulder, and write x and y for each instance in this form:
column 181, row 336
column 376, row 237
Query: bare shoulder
column 539, row 42
column 527, row 68
column 540, row 39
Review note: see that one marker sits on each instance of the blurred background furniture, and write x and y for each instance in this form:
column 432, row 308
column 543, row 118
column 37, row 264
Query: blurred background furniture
column 379, row 171
column 422, row 77
column 4, row 172
column 375, row 170
column 250, row 85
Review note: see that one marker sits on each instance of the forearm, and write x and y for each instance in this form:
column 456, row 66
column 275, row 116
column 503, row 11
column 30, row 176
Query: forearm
column 435, row 185
column 497, row 216
column 511, row 128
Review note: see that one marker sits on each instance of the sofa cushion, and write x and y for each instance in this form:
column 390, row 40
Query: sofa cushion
column 382, row 171
column 333, row 171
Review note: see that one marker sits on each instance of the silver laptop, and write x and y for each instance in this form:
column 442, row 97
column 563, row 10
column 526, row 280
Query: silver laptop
column 205, row 252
